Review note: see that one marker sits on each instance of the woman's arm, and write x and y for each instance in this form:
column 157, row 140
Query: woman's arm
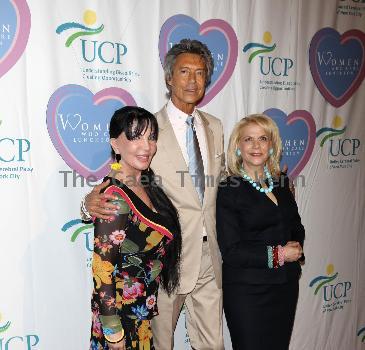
column 108, row 235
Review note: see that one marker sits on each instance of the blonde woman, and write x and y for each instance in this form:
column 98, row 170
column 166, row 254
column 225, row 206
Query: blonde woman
column 260, row 236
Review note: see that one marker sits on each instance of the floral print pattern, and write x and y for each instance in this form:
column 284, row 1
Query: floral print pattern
column 127, row 262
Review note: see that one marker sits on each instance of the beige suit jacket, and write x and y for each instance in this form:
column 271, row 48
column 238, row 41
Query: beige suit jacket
column 170, row 166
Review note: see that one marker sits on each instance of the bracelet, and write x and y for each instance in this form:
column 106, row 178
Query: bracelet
column 115, row 341
column 275, row 257
column 85, row 215
column 269, row 256
column 281, row 256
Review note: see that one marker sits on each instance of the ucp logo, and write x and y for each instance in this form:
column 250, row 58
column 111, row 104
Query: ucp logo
column 334, row 293
column 106, row 51
column 361, row 334
column 81, row 231
column 78, row 228
column 13, row 149
column 343, row 151
column 25, row 342
column 338, row 145
column 269, row 64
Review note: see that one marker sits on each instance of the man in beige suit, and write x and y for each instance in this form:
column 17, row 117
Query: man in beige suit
column 188, row 68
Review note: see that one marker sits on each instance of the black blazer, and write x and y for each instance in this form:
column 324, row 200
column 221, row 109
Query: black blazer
column 247, row 222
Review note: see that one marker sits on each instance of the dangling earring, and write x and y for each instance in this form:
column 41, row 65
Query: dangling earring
column 271, row 151
column 116, row 166
column 238, row 152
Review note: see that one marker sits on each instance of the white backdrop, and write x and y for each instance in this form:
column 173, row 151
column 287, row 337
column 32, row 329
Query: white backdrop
column 65, row 66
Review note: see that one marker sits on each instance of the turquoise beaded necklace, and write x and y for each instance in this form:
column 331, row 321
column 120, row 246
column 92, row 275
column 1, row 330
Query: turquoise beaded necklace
column 256, row 185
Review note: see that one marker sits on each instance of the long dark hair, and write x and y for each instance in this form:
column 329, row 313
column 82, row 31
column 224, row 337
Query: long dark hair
column 134, row 122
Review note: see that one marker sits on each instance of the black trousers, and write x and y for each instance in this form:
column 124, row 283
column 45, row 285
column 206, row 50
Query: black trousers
column 260, row 317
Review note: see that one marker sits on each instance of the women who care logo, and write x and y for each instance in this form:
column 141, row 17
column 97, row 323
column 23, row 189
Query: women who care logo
column 334, row 293
column 337, row 64
column 217, row 34
column 15, row 23
column 78, row 125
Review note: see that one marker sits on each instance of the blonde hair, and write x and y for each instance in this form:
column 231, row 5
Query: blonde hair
column 234, row 162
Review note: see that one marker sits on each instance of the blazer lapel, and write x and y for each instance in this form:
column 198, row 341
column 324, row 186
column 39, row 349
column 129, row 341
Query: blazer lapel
column 209, row 137
column 171, row 148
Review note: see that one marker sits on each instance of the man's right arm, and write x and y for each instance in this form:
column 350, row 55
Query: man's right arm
column 97, row 204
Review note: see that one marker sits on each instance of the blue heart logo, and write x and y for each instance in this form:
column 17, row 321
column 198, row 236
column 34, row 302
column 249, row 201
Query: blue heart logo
column 298, row 135
column 337, row 63
column 15, row 21
column 78, row 125
column 217, row 34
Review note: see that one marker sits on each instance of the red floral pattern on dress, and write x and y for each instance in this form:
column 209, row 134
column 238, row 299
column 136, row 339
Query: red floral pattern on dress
column 126, row 274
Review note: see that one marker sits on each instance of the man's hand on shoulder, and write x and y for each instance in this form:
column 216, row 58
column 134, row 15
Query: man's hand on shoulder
column 98, row 204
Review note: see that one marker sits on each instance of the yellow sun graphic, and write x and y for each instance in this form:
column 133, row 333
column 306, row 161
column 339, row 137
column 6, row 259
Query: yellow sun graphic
column 337, row 122
column 267, row 37
column 89, row 17
column 330, row 269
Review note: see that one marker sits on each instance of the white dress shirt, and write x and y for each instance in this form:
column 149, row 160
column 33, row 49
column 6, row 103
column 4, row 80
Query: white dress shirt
column 178, row 121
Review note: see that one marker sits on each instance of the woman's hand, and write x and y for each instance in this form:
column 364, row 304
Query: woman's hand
column 117, row 346
column 292, row 251
column 97, row 204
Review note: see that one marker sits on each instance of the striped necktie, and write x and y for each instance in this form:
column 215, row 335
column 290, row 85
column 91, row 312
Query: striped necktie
column 196, row 167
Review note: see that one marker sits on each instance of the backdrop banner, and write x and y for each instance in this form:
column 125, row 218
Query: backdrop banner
column 66, row 66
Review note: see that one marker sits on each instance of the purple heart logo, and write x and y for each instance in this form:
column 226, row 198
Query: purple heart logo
column 337, row 63
column 298, row 135
column 15, row 28
column 78, row 125
column 217, row 34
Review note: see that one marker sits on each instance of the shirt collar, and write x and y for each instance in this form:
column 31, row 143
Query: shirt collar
column 176, row 115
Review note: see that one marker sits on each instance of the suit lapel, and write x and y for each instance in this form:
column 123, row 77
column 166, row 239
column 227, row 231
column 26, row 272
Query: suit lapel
column 170, row 146
column 209, row 137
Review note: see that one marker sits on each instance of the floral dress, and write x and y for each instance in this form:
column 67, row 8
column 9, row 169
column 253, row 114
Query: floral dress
column 127, row 262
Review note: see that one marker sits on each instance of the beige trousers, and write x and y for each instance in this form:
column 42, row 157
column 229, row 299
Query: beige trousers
column 203, row 312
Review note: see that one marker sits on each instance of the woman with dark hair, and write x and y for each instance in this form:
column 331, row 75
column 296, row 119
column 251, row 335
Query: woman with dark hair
column 140, row 247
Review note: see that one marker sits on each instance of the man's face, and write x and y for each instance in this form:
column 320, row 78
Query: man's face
column 187, row 81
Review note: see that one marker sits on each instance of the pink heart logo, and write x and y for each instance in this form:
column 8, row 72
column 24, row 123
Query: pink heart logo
column 15, row 21
column 298, row 135
column 337, row 63
column 217, row 34
column 78, row 125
